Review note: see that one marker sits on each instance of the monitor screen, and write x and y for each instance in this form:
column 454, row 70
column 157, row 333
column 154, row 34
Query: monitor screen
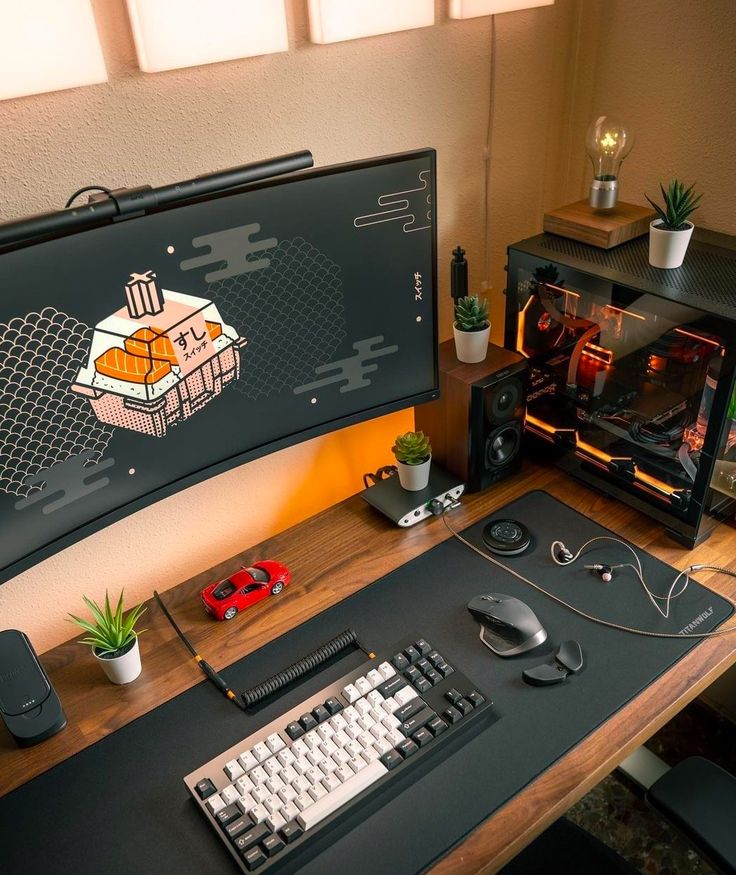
column 143, row 356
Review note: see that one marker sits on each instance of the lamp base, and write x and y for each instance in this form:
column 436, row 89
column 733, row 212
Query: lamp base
column 602, row 228
column 603, row 194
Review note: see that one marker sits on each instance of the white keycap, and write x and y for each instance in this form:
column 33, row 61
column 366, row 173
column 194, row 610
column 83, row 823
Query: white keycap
column 287, row 794
column 377, row 714
column 246, row 802
column 312, row 740
column 258, row 814
column 303, row 801
column 317, row 791
column 370, row 754
column 289, row 811
column 374, row 699
column 344, row 773
column 299, row 749
column 260, row 793
column 363, row 706
column 301, row 765
column 261, row 752
column 351, row 693
column 357, row 763
column 275, row 742
column 391, row 722
column 390, row 705
column 275, row 821
column 247, row 760
column 365, row 739
column 233, row 770
column 272, row 803
column 314, row 774
column 350, row 714
column 353, row 748
column 325, row 731
column 338, row 722
column 328, row 747
column 387, row 670
column 274, row 784
column 374, row 677
column 286, row 757
column 340, row 795
column 382, row 746
column 271, row 766
column 258, row 775
column 340, row 738
column 330, row 782
column 301, row 784
column 405, row 694
column 366, row 722
column 353, row 730
column 328, row 765
column 363, row 686
column 215, row 803
column 315, row 757
column 378, row 730
column 288, row 774
column 340, row 757
column 244, row 784
column 395, row 737
column 230, row 794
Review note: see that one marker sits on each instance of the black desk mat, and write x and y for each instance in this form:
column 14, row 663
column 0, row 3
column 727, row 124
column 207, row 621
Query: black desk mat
column 120, row 806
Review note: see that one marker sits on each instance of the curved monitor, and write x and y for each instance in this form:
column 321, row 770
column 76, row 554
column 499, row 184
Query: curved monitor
column 143, row 356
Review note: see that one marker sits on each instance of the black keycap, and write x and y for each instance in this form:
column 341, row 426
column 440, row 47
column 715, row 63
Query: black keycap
column 423, row 685
column 452, row 715
column 412, row 674
column 434, row 677
column 412, row 654
column 294, row 730
column 308, row 721
column 436, row 726
column 254, row 859
column 333, row 705
column 475, row 698
column 400, row 662
column 423, row 665
column 422, row 646
column 391, row 759
column 435, row 658
column 445, row 669
column 321, row 713
column 238, row 827
column 452, row 696
column 422, row 736
column 291, row 831
column 406, row 748
column 205, row 788
column 247, row 840
column 464, row 706
column 391, row 686
column 411, row 708
column 228, row 814
column 272, row 845
column 410, row 726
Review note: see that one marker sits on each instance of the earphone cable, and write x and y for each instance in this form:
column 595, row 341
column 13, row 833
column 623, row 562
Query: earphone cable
column 584, row 614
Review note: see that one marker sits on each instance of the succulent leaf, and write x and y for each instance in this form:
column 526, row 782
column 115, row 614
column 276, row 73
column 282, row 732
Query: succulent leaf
column 412, row 448
column 679, row 204
column 111, row 630
column 471, row 314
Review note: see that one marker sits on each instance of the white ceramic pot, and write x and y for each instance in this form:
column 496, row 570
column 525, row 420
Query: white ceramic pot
column 667, row 248
column 471, row 346
column 122, row 669
column 414, row 477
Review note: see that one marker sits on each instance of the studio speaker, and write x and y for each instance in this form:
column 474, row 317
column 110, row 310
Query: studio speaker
column 476, row 424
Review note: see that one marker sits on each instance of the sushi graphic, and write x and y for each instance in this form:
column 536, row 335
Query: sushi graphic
column 159, row 359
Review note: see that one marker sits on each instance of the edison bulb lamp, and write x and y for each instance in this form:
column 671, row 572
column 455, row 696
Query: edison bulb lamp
column 607, row 143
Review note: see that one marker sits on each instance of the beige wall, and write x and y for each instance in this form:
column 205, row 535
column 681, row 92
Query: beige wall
column 427, row 87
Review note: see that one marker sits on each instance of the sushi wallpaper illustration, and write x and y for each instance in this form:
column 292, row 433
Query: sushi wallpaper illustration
column 140, row 357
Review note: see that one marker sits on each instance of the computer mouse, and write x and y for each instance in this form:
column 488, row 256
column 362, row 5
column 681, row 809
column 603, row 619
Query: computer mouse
column 508, row 626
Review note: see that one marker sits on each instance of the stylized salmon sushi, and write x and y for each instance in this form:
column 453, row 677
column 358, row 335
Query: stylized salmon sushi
column 120, row 365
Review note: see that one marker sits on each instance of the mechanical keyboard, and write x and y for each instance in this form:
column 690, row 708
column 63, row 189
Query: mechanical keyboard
column 271, row 795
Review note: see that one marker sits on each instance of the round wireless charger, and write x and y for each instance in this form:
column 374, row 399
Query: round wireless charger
column 506, row 537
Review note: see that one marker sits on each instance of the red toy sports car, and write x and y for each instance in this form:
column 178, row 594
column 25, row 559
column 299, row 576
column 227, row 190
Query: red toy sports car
column 246, row 587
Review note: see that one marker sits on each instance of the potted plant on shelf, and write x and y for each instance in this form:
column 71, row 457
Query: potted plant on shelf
column 471, row 328
column 670, row 232
column 414, row 454
column 113, row 638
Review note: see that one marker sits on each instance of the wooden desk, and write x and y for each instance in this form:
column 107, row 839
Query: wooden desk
column 331, row 556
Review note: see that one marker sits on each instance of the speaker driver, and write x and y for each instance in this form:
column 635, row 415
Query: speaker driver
column 504, row 400
column 502, row 445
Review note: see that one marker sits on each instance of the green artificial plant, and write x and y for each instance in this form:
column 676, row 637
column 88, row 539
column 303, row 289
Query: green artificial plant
column 471, row 314
column 679, row 203
column 412, row 448
column 112, row 631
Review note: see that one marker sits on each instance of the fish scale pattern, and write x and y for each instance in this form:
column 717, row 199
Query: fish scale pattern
column 42, row 422
column 291, row 313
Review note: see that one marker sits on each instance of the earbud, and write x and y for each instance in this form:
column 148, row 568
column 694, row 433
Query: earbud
column 561, row 552
column 605, row 572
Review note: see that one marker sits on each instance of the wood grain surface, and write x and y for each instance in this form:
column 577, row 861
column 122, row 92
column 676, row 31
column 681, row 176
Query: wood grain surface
column 602, row 228
column 334, row 554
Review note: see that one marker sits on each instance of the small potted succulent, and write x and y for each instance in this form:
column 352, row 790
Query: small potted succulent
column 414, row 454
column 670, row 232
column 472, row 329
column 113, row 639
